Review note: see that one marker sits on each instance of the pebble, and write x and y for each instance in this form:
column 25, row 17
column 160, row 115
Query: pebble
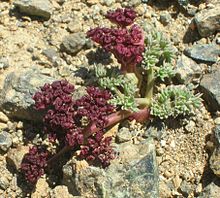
column 4, row 63
column 217, row 120
column 5, row 141
column 3, row 117
column 19, row 125
column 4, row 182
column 3, row 125
column 165, row 18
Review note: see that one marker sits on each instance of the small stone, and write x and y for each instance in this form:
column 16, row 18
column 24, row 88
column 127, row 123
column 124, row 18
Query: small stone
column 15, row 156
column 40, row 8
column 177, row 181
column 107, row 2
column 168, row 173
column 5, row 141
column 19, row 125
column 204, row 52
column 217, row 121
column 215, row 162
column 210, row 87
column 190, row 126
column 186, row 188
column 42, row 189
column 3, row 126
column 73, row 43
column 61, row 191
column 217, row 133
column 4, row 63
column 187, row 70
column 3, row 117
column 4, row 182
column 165, row 18
column 74, row 27
column 50, row 53
column 207, row 21
column 163, row 143
column 123, row 135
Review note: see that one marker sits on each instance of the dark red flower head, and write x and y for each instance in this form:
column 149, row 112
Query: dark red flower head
column 122, row 17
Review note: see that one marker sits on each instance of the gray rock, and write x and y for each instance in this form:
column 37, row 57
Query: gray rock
column 132, row 174
column 39, row 8
column 214, row 161
column 18, row 90
column 217, row 133
column 4, row 63
column 165, row 18
column 50, row 53
column 5, row 141
column 204, row 52
column 207, row 21
column 212, row 190
column 187, row 70
column 73, row 43
column 144, row 1
column 210, row 87
column 186, row 188
column 123, row 135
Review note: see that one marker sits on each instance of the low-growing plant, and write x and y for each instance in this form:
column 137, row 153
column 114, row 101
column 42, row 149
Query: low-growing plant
column 124, row 92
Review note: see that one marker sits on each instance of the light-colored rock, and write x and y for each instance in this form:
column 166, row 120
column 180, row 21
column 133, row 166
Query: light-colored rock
column 61, row 191
column 5, row 141
column 39, row 8
column 15, row 156
column 42, row 189
column 3, row 125
column 207, row 21
column 3, row 117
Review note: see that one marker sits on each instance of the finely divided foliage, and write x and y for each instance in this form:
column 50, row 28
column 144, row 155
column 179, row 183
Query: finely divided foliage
column 124, row 92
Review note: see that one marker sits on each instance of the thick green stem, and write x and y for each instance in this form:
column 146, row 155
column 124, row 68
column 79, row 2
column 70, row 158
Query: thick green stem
column 150, row 85
column 142, row 102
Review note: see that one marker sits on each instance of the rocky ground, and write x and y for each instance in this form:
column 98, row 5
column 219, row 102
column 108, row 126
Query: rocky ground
column 44, row 40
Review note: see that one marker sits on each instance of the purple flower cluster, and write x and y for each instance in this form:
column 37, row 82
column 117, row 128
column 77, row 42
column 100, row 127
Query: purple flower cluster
column 56, row 99
column 95, row 107
column 34, row 163
column 122, row 17
column 98, row 149
column 127, row 45
column 66, row 119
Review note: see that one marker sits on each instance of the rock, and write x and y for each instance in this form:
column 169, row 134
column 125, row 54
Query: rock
column 207, row 21
column 18, row 90
column 123, row 135
column 165, row 18
column 4, row 182
column 186, row 188
column 215, row 161
column 73, row 43
column 3, row 117
column 187, row 70
column 15, row 156
column 5, row 141
column 39, row 8
column 204, row 52
column 42, row 189
column 212, row 190
column 61, row 191
column 74, row 27
column 210, row 87
column 50, row 53
column 4, row 63
column 132, row 174
column 107, row 2
column 217, row 133
column 3, row 125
